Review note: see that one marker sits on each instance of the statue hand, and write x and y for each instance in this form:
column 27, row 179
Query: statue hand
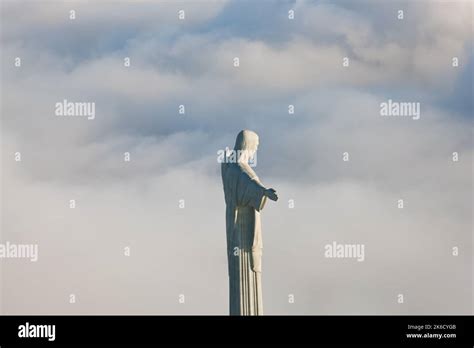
column 271, row 193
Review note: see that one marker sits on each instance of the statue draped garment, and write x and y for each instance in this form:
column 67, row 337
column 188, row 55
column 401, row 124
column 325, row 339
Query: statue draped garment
column 244, row 197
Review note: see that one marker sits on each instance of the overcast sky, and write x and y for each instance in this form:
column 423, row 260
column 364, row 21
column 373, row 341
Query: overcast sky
column 190, row 62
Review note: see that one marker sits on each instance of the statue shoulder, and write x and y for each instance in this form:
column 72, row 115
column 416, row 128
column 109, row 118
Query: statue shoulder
column 246, row 170
column 229, row 169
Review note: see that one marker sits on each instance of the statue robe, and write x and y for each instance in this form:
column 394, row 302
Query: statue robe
column 244, row 197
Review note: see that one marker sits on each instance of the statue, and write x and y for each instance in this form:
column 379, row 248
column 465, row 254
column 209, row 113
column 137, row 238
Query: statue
column 245, row 197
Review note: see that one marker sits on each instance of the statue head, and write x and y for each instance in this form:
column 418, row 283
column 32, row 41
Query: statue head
column 246, row 145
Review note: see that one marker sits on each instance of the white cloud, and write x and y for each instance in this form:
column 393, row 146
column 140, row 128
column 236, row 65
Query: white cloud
column 174, row 157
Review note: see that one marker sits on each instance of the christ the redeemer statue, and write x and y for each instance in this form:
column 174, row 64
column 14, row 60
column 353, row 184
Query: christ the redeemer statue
column 245, row 197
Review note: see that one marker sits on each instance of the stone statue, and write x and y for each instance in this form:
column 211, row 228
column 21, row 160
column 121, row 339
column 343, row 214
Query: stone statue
column 245, row 197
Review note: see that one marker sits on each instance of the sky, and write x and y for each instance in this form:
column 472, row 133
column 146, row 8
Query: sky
column 177, row 251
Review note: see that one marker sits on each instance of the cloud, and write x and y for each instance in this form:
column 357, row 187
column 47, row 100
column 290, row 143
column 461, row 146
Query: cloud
column 182, row 251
